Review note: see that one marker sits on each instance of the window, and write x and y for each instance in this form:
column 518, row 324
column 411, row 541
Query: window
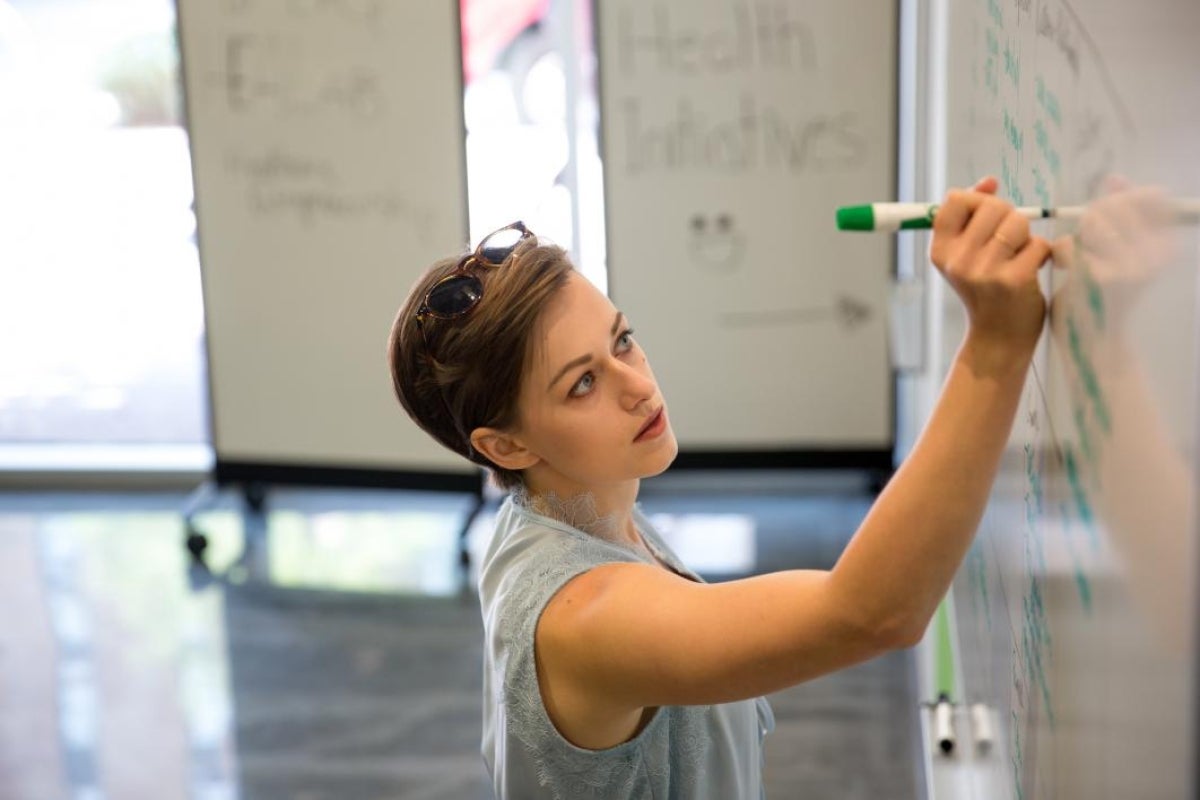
column 101, row 323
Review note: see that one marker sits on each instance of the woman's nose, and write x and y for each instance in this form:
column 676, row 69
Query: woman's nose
column 637, row 385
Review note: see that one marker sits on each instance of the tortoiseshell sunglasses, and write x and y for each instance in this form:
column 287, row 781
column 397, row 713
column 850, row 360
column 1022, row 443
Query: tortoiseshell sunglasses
column 459, row 292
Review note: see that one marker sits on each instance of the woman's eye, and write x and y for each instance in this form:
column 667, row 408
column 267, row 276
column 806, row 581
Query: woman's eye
column 583, row 385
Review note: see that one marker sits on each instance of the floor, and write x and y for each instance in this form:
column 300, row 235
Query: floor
column 336, row 652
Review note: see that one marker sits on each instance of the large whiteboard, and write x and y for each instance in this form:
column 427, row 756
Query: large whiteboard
column 1075, row 610
column 730, row 133
column 328, row 156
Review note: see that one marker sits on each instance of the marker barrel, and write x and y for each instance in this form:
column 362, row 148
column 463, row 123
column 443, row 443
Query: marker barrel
column 890, row 217
column 943, row 725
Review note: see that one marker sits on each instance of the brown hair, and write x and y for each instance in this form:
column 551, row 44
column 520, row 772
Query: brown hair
column 472, row 377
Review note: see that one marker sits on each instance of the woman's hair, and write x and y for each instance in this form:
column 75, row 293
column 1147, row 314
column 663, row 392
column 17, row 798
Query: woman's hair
column 472, row 377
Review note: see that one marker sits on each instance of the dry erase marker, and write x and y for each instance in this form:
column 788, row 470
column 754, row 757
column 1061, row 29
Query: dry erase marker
column 943, row 723
column 911, row 216
column 981, row 727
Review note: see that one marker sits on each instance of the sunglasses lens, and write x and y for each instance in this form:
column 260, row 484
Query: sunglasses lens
column 499, row 245
column 455, row 295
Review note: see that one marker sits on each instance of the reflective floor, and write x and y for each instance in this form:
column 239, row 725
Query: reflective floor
column 336, row 653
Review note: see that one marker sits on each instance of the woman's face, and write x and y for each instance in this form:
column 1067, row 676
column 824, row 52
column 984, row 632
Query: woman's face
column 587, row 395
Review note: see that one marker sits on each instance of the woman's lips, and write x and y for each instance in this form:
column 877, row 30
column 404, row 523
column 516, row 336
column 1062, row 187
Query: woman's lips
column 653, row 427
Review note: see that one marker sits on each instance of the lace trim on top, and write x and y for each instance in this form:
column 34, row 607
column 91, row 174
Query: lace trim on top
column 579, row 512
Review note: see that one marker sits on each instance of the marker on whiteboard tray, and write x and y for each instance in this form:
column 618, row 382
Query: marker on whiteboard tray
column 943, row 723
column 888, row 217
column 981, row 727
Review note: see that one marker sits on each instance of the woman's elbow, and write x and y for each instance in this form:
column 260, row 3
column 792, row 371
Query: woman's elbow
column 901, row 634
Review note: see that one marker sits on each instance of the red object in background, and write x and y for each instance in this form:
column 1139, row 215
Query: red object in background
column 490, row 26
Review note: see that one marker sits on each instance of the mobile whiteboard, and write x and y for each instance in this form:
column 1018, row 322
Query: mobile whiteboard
column 730, row 134
column 328, row 154
column 1075, row 610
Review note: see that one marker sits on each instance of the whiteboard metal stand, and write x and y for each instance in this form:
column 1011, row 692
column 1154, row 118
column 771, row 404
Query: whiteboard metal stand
column 253, row 559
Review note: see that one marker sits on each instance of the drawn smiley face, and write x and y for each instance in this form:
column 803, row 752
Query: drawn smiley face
column 715, row 242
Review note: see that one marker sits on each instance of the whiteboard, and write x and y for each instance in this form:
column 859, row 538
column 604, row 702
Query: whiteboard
column 327, row 146
column 1074, row 612
column 730, row 132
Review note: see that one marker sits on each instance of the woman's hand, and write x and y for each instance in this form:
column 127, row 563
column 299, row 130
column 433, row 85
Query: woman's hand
column 985, row 251
column 1125, row 239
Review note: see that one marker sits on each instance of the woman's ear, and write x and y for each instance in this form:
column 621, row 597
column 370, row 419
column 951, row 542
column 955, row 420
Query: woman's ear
column 503, row 449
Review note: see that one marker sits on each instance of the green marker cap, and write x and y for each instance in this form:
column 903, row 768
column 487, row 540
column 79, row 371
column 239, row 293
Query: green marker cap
column 856, row 218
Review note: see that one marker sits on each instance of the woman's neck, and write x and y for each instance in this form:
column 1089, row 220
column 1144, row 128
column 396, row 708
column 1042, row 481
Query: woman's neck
column 606, row 514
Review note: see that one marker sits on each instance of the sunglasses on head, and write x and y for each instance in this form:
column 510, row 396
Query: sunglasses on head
column 459, row 292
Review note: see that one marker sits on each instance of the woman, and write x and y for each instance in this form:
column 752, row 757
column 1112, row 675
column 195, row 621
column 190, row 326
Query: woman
column 611, row 670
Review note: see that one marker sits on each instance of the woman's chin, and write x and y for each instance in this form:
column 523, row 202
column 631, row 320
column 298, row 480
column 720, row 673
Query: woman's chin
column 664, row 457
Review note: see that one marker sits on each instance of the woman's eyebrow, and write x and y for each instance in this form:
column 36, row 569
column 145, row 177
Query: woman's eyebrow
column 579, row 362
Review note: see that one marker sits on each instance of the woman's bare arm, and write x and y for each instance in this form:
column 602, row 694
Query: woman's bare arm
column 639, row 636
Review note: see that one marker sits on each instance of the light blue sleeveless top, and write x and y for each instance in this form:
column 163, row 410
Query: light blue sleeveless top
column 687, row 752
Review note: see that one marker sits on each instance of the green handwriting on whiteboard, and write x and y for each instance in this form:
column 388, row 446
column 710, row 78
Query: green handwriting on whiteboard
column 977, row 575
column 1085, row 436
column 1095, row 297
column 1046, row 148
column 994, row 12
column 1085, row 590
column 1087, row 374
column 1040, row 189
column 1083, row 506
column 1034, row 496
column 1008, row 182
column 1012, row 64
column 1036, row 643
column 991, row 63
column 1049, row 102
column 1013, row 133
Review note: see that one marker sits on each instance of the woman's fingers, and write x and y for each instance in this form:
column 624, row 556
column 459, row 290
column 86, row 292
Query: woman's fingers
column 960, row 204
column 975, row 223
column 981, row 229
column 1009, row 237
column 953, row 214
column 984, row 249
column 987, row 185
